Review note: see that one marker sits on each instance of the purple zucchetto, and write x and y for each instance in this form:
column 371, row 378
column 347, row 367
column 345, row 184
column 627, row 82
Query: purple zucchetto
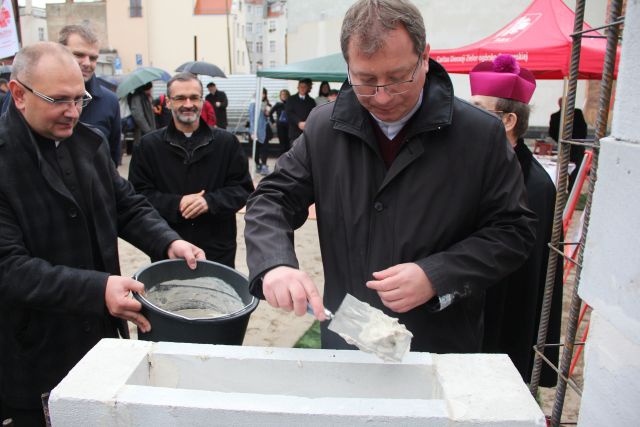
column 503, row 78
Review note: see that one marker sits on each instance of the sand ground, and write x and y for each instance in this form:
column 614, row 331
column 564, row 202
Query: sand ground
column 270, row 327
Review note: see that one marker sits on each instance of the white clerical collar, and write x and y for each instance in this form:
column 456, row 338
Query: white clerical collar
column 391, row 129
column 301, row 96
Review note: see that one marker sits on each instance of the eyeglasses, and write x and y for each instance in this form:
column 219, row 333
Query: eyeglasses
column 193, row 98
column 77, row 102
column 397, row 88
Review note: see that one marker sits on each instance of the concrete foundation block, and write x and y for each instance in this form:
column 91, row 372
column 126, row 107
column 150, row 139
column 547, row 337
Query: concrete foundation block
column 136, row 383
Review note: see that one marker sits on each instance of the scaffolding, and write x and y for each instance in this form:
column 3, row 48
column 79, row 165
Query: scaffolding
column 565, row 368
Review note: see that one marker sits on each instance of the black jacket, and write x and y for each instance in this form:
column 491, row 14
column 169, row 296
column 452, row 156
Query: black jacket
column 163, row 170
column 103, row 112
column 297, row 111
column 221, row 111
column 52, row 308
column 452, row 202
column 513, row 307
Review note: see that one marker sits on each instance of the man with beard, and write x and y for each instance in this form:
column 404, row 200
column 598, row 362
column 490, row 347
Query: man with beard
column 197, row 177
column 63, row 206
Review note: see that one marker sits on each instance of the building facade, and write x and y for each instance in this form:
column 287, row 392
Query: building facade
column 33, row 24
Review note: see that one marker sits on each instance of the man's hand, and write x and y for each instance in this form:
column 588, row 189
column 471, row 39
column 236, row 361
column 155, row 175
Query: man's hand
column 184, row 249
column 301, row 125
column 193, row 205
column 290, row 289
column 402, row 287
column 120, row 304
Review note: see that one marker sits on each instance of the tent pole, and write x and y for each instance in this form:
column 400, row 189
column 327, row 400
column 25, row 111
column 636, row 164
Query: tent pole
column 257, row 110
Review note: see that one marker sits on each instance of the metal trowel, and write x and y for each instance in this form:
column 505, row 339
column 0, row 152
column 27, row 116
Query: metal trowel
column 369, row 329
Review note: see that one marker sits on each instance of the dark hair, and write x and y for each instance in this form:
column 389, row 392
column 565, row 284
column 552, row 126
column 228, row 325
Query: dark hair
column 182, row 77
column 334, row 92
column 306, row 81
column 83, row 31
column 370, row 20
column 324, row 85
column 520, row 109
column 211, row 84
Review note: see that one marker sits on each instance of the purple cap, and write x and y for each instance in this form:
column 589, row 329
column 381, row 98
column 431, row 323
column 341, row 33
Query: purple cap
column 503, row 78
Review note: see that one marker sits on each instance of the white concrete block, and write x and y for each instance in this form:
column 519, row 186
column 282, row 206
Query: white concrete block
column 124, row 383
column 611, row 394
column 625, row 111
column 610, row 281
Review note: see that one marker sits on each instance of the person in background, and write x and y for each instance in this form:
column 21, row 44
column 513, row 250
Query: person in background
column 196, row 176
column 323, row 93
column 4, row 88
column 218, row 99
column 161, row 111
column 333, row 95
column 141, row 104
column 282, row 124
column 208, row 114
column 60, row 285
column 419, row 197
column 512, row 307
column 298, row 107
column 261, row 132
column 576, row 152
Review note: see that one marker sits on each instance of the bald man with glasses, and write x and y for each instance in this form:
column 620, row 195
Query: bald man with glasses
column 63, row 206
column 419, row 198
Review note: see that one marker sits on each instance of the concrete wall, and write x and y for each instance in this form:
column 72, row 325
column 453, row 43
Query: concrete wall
column 92, row 14
column 314, row 30
column 164, row 35
column 611, row 275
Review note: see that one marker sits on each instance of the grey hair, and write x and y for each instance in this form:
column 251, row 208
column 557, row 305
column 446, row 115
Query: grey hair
column 182, row 77
column 28, row 58
column 520, row 109
column 83, row 31
column 370, row 20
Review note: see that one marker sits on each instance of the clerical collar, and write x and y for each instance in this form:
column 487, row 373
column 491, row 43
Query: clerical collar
column 302, row 96
column 391, row 129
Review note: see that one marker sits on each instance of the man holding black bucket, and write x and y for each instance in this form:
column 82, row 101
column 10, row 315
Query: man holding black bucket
column 63, row 206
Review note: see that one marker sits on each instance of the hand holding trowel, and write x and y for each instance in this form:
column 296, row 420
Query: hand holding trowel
column 369, row 329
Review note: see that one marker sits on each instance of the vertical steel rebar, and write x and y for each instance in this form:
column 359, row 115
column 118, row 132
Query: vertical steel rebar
column 601, row 129
column 561, row 196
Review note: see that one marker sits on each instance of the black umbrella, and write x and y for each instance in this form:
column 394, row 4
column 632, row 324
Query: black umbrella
column 201, row 67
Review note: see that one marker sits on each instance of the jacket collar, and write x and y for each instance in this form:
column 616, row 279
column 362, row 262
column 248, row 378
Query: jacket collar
column 174, row 136
column 435, row 112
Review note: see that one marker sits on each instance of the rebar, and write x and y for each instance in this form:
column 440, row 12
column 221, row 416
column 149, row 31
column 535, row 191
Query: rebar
column 601, row 127
column 561, row 198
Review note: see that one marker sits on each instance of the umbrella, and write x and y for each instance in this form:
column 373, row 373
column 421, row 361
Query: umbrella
column 140, row 77
column 201, row 67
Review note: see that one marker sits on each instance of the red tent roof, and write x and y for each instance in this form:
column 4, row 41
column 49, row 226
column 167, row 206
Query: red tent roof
column 540, row 38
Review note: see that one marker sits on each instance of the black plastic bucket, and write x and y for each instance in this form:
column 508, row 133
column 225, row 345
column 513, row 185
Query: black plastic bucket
column 168, row 326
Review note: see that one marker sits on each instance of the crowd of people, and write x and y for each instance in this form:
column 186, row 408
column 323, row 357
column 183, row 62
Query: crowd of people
column 430, row 208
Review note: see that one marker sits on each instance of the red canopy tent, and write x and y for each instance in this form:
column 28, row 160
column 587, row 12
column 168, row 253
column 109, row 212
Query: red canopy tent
column 539, row 38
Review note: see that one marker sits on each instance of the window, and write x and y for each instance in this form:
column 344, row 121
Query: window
column 272, row 46
column 258, row 47
column 272, row 64
column 250, row 46
column 249, row 28
column 259, row 28
column 272, row 25
column 41, row 34
column 135, row 8
column 242, row 58
column 249, row 9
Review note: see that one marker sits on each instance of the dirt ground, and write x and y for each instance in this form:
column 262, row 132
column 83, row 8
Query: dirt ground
column 269, row 327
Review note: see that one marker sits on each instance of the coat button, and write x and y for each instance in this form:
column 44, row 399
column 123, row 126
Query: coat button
column 378, row 206
column 73, row 213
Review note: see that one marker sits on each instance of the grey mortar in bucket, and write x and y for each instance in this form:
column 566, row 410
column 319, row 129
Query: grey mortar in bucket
column 195, row 306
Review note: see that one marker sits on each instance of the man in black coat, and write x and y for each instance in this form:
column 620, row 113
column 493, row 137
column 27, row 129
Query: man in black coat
column 419, row 197
column 298, row 107
column 197, row 177
column 219, row 102
column 63, row 206
column 576, row 152
column 512, row 307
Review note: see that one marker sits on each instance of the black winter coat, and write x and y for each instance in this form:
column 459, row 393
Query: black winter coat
column 452, row 202
column 163, row 170
column 52, row 308
column 297, row 111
